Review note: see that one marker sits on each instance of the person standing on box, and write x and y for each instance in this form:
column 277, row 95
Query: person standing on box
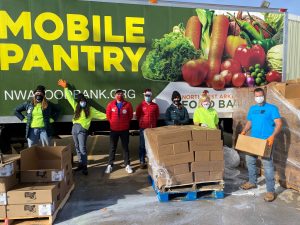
column 83, row 115
column 119, row 114
column 40, row 114
column 265, row 123
column 205, row 115
column 176, row 113
column 147, row 113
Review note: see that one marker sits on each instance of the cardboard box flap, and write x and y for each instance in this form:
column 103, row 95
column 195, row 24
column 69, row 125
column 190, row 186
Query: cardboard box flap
column 40, row 158
column 9, row 159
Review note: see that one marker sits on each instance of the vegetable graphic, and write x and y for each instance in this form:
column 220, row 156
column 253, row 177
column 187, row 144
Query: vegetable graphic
column 274, row 58
column 232, row 42
column 206, row 19
column 216, row 49
column 232, row 65
column 227, row 76
column 193, row 31
column 194, row 72
column 218, row 82
column 238, row 79
column 250, row 55
column 273, row 76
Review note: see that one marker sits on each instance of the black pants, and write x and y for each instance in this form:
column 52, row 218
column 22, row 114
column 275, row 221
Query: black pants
column 114, row 138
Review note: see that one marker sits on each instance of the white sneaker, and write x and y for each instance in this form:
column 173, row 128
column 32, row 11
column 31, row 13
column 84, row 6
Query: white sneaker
column 128, row 169
column 108, row 169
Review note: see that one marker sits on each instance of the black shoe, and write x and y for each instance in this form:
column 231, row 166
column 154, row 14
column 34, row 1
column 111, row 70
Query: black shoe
column 80, row 167
column 85, row 170
column 143, row 166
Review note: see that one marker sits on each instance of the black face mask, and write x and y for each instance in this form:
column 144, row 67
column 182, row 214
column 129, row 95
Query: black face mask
column 39, row 98
column 176, row 102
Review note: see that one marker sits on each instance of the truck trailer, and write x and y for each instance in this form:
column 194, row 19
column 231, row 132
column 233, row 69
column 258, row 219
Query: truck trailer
column 101, row 46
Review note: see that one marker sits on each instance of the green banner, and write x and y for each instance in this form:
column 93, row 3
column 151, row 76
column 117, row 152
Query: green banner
column 99, row 47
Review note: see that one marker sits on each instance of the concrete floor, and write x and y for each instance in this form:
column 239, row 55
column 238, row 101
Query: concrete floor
column 124, row 199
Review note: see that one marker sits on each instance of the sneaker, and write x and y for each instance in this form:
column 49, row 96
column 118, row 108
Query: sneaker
column 128, row 169
column 108, row 169
column 143, row 165
column 269, row 197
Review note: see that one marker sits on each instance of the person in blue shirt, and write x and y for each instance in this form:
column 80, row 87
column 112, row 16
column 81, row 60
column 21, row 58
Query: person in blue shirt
column 265, row 123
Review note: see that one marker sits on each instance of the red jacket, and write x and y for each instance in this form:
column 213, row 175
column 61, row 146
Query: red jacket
column 147, row 114
column 119, row 120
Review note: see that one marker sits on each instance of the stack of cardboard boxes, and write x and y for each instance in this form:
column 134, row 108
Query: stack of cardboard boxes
column 184, row 155
column 45, row 179
column 9, row 178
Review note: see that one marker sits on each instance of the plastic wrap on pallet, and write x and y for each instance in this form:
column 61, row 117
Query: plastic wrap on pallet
column 156, row 169
column 181, row 155
column 286, row 150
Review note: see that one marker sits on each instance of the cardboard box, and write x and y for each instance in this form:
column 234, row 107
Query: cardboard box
column 201, row 176
column 33, row 193
column 164, row 150
column 2, row 212
column 181, row 147
column 213, row 135
column 289, row 90
column 203, row 166
column 172, row 160
column 44, row 164
column 216, row 175
column 179, row 169
column 254, row 146
column 10, row 165
column 30, row 210
column 216, row 155
column 202, row 156
column 216, row 166
column 171, row 136
column 7, row 183
column 206, row 146
column 198, row 133
column 295, row 102
column 183, row 179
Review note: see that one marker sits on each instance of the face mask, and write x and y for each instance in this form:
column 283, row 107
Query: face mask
column 259, row 99
column 148, row 99
column 39, row 98
column 82, row 104
column 176, row 101
column 206, row 105
column 119, row 97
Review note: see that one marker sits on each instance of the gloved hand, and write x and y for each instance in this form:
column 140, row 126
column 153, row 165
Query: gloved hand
column 270, row 140
column 204, row 125
column 243, row 133
column 62, row 83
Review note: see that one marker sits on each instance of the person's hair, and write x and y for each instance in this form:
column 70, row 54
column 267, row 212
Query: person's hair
column 259, row 90
column 80, row 97
column 204, row 96
column 41, row 89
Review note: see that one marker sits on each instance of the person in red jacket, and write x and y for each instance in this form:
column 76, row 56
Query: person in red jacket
column 147, row 113
column 119, row 114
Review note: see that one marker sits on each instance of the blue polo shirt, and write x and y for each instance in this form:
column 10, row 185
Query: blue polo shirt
column 262, row 120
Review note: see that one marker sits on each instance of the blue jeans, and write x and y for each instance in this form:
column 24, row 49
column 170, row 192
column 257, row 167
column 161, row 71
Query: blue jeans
column 80, row 136
column 268, row 169
column 37, row 134
column 142, row 149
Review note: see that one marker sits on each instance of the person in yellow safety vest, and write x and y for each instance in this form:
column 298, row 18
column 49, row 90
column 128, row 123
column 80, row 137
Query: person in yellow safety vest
column 83, row 115
column 205, row 115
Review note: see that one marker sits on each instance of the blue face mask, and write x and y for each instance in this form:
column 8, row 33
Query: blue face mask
column 147, row 98
column 82, row 104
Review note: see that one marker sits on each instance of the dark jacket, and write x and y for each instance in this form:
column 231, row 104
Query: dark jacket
column 177, row 115
column 52, row 111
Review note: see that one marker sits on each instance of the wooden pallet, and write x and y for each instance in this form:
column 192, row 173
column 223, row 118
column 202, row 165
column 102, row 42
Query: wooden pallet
column 44, row 220
column 190, row 192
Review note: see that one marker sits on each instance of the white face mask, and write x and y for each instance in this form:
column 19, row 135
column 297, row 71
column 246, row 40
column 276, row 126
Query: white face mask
column 259, row 99
column 206, row 105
